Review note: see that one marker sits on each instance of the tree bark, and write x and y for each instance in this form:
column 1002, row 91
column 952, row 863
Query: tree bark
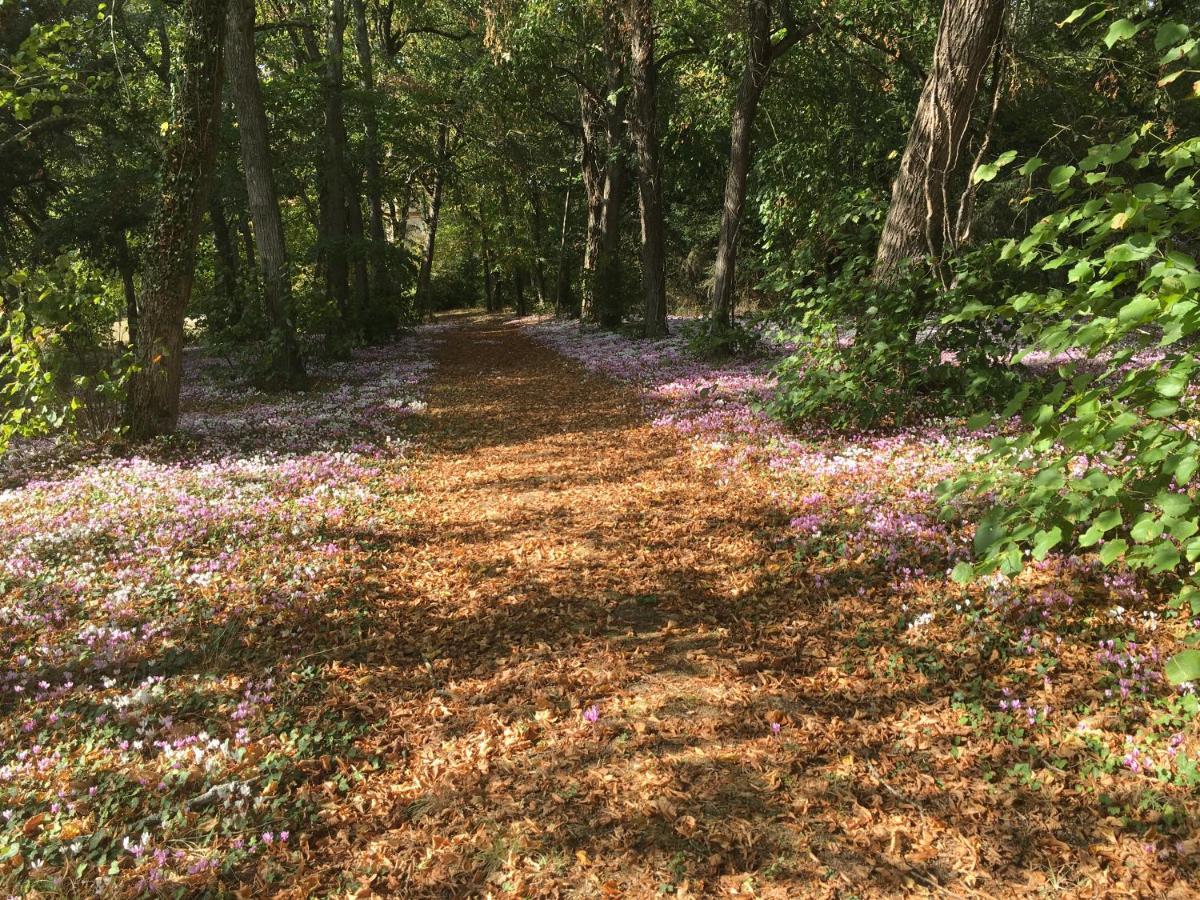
column 333, row 239
column 608, row 299
column 754, row 78
column 425, row 274
column 537, row 222
column 226, row 269
column 360, row 281
column 153, row 401
column 383, row 321
column 593, row 188
column 562, row 286
column 918, row 218
column 285, row 365
column 644, row 126
column 489, row 285
column 125, row 265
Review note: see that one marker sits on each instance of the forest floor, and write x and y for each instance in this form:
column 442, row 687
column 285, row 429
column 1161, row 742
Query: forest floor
column 564, row 615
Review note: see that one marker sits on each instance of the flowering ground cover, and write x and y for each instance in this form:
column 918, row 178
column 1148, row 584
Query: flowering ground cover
column 591, row 634
column 171, row 625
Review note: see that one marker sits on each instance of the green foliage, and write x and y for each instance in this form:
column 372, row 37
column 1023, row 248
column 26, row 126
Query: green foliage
column 1107, row 452
column 61, row 373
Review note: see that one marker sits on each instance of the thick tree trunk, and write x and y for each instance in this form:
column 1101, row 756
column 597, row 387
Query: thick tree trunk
column 918, row 219
column 425, row 274
column 285, row 365
column 333, row 239
column 153, row 402
column 383, row 320
column 644, row 126
column 754, row 78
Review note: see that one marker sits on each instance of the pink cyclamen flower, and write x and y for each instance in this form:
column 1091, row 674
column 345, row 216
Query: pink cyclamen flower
column 592, row 713
column 776, row 728
column 267, row 837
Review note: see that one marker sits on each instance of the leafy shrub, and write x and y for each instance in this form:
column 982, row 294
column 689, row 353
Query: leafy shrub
column 62, row 372
column 1108, row 453
column 873, row 354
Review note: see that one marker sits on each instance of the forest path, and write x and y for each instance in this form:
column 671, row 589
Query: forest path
column 565, row 552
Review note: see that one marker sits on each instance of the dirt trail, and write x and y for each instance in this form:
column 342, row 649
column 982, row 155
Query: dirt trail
column 563, row 553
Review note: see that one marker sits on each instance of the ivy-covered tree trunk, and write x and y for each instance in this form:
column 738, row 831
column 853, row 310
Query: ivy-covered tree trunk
column 153, row 401
column 918, row 218
column 285, row 367
column 644, row 126
column 383, row 319
column 333, row 237
column 425, row 274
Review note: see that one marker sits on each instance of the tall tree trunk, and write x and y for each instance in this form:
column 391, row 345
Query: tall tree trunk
column 608, row 262
column 562, row 285
column 285, row 366
column 489, row 284
column 360, row 284
column 333, row 240
column 226, row 274
column 918, row 218
column 644, row 126
column 537, row 223
column 425, row 274
column 754, row 77
column 384, row 320
column 153, row 402
column 519, row 289
column 125, row 265
column 593, row 189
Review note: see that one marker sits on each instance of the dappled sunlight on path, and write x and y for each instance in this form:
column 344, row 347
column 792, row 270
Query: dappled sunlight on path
column 750, row 737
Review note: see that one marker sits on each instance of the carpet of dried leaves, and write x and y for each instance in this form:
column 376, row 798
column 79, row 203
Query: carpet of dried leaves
column 563, row 651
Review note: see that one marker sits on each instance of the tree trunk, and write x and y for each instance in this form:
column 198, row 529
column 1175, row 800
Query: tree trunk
column 537, row 223
column 489, row 285
column 519, row 289
column 918, row 218
column 333, row 240
column 153, row 402
column 593, row 188
column 125, row 266
column 425, row 275
column 608, row 262
column 226, row 268
column 562, row 286
column 360, row 283
column 285, row 365
column 754, row 77
column 383, row 321
column 644, row 126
